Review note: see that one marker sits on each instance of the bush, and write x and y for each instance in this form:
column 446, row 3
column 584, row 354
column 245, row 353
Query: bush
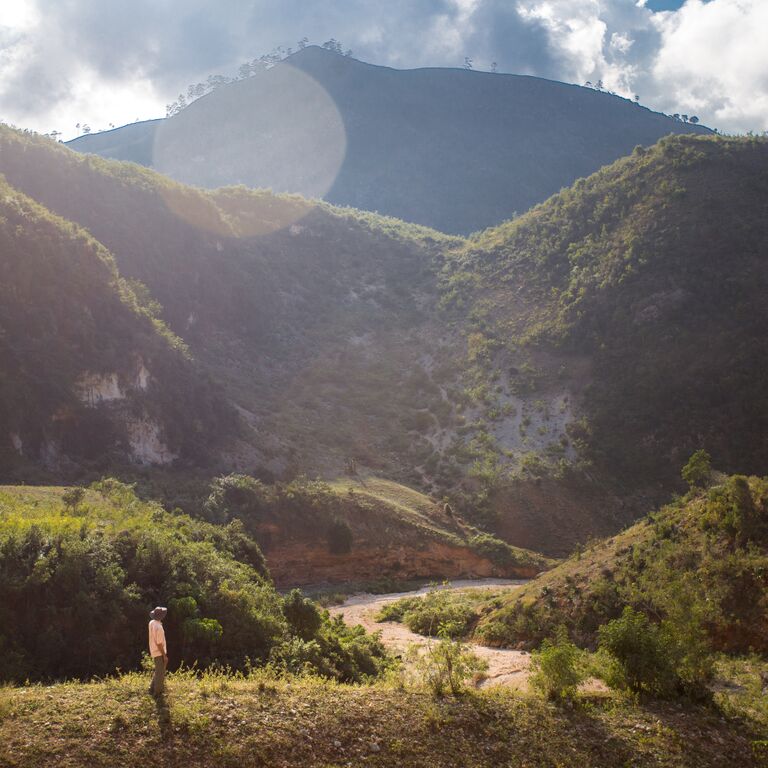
column 641, row 654
column 438, row 610
column 302, row 614
column 447, row 664
column 557, row 668
column 76, row 589
column 73, row 497
column 396, row 610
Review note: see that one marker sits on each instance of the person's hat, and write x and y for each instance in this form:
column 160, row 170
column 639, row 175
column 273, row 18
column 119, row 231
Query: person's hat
column 158, row 613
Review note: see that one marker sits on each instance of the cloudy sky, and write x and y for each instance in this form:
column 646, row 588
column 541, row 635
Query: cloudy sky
column 102, row 62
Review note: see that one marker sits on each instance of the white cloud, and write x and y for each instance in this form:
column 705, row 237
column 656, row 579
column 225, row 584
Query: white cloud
column 713, row 61
column 108, row 61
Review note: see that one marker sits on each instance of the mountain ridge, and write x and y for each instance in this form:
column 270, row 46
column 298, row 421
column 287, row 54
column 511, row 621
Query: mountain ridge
column 453, row 149
column 545, row 375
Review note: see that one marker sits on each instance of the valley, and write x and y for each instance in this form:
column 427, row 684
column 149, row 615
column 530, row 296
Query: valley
column 260, row 409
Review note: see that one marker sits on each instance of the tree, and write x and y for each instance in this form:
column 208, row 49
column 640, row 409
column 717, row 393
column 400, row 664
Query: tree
column 302, row 615
column 334, row 45
column 693, row 119
column 698, row 470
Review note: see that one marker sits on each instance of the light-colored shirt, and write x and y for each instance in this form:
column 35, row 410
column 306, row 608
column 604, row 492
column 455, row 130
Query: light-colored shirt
column 157, row 646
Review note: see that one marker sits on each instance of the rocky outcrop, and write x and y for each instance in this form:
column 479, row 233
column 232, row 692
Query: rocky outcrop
column 96, row 388
column 147, row 447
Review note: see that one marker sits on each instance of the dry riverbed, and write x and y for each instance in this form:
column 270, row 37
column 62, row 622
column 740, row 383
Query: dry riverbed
column 505, row 666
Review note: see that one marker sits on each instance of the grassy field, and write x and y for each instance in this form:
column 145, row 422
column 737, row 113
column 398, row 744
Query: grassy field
column 264, row 721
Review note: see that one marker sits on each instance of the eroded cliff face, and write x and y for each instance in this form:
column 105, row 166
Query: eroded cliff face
column 301, row 564
column 113, row 390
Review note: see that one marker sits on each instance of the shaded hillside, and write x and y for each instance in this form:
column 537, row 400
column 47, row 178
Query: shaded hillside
column 701, row 561
column 88, row 373
column 639, row 296
column 448, row 148
column 362, row 529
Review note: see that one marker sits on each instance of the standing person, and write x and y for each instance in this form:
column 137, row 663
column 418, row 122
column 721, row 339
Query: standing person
column 158, row 650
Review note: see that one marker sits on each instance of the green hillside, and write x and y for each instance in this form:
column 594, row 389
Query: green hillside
column 699, row 562
column 636, row 297
column 82, row 568
column 318, row 322
column 546, row 375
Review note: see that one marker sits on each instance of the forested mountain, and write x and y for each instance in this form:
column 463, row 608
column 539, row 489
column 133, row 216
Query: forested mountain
column 314, row 319
column 550, row 374
column 453, row 149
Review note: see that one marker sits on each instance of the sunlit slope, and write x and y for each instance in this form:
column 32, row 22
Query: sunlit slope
column 314, row 319
column 702, row 557
column 362, row 529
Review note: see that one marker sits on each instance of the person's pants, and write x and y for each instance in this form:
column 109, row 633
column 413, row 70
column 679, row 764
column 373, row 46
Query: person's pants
column 157, row 686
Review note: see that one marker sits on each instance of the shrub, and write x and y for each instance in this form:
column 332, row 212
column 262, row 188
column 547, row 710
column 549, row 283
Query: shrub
column 73, row 497
column 640, row 653
column 448, row 664
column 439, row 610
column 302, row 615
column 396, row 610
column 557, row 668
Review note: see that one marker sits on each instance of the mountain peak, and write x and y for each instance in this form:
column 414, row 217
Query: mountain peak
column 431, row 145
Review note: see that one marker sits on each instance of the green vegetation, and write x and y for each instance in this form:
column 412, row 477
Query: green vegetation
column 339, row 334
column 350, row 514
column 313, row 304
column 698, row 471
column 439, row 612
column 66, row 313
column 447, row 665
column 694, row 569
column 84, row 577
column 557, row 668
column 651, row 270
column 641, row 654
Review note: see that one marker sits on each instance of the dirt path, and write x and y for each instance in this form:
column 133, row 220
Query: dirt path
column 505, row 666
